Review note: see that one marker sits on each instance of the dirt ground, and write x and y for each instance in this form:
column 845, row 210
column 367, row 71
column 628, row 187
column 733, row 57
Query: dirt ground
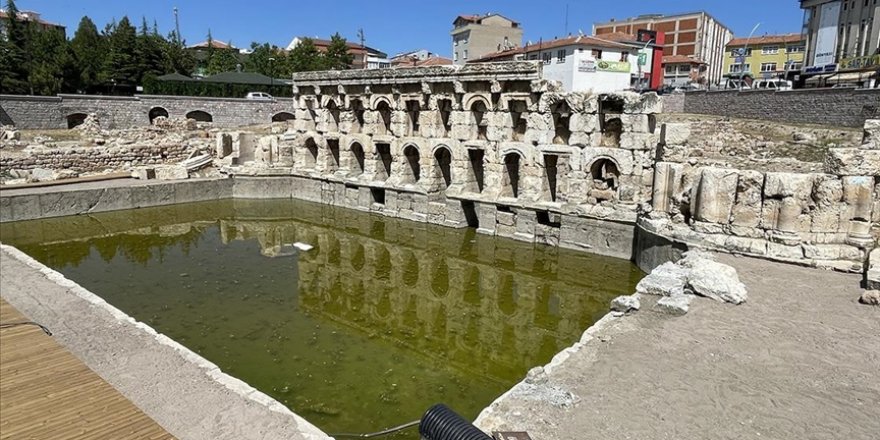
column 799, row 360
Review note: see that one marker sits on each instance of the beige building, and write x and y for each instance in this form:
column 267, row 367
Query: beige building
column 476, row 35
column 839, row 32
column 695, row 36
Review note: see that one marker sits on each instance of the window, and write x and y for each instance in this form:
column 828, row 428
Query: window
column 738, row 68
column 533, row 56
column 455, row 56
column 670, row 69
column 768, row 67
column 769, row 50
column 464, row 40
column 560, row 56
column 464, row 55
column 794, row 49
column 624, row 56
column 684, row 68
column 456, row 43
column 597, row 54
column 739, row 51
column 795, row 65
column 546, row 57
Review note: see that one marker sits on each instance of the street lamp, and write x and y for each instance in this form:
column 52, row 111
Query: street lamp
column 745, row 55
column 272, row 74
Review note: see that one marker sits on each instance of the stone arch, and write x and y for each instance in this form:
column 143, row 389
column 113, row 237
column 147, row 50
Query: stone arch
column 413, row 171
column 605, row 178
column 282, row 117
column 383, row 108
column 510, row 181
column 75, row 119
column 469, row 101
column 357, row 158
column 327, row 100
column 478, row 109
column 200, row 115
column 440, row 278
column 332, row 115
column 375, row 100
column 561, row 114
column 156, row 112
column 442, row 170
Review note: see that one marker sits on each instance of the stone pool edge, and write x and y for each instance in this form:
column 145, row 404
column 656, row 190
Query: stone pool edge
column 251, row 396
column 535, row 382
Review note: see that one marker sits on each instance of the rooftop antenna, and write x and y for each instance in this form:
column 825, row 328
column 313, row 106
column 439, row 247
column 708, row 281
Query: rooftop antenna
column 566, row 18
column 177, row 26
column 363, row 46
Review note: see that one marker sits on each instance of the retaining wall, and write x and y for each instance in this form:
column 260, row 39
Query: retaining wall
column 840, row 107
column 51, row 112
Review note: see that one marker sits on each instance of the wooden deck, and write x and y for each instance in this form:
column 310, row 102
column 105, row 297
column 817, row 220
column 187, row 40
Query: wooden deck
column 47, row 393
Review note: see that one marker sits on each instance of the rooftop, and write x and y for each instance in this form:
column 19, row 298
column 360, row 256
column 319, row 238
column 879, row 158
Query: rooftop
column 216, row 44
column 30, row 16
column 654, row 17
column 767, row 39
column 477, row 18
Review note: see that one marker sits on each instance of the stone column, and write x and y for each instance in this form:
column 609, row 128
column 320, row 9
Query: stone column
column 858, row 195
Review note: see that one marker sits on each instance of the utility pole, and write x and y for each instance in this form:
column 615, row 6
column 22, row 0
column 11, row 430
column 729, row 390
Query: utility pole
column 742, row 76
column 177, row 27
column 363, row 46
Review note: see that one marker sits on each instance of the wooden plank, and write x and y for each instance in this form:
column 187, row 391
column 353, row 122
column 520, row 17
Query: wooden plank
column 46, row 392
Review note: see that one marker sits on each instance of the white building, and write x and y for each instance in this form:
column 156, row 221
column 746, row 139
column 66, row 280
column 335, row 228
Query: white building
column 583, row 63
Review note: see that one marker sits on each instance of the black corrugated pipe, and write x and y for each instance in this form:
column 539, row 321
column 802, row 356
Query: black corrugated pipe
column 441, row 423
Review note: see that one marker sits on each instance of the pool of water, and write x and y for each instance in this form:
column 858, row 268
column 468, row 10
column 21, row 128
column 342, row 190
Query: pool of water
column 380, row 320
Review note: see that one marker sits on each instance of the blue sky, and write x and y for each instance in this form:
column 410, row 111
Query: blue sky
column 396, row 25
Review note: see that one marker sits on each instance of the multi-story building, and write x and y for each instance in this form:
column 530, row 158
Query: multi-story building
column 365, row 57
column 581, row 63
column 695, row 38
column 768, row 56
column 32, row 18
column 474, row 36
column 841, row 34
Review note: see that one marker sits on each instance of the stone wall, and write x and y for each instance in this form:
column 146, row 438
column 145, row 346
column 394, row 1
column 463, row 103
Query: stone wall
column 62, row 111
column 92, row 159
column 841, row 107
column 822, row 219
column 673, row 103
column 486, row 146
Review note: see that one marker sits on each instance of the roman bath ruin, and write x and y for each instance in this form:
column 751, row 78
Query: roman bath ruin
column 571, row 265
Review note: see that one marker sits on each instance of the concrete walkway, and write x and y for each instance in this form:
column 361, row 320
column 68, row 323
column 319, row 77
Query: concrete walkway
column 800, row 360
column 188, row 396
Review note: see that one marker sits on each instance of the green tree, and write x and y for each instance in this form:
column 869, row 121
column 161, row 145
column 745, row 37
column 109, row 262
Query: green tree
column 176, row 58
column 305, row 57
column 267, row 60
column 89, row 52
column 222, row 60
column 51, row 66
column 121, row 66
column 149, row 54
column 337, row 56
column 13, row 69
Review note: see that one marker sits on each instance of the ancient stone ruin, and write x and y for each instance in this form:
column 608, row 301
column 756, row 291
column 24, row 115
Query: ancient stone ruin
column 488, row 146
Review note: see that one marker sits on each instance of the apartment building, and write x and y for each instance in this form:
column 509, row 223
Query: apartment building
column 30, row 17
column 839, row 32
column 693, row 39
column 767, row 56
column 474, row 36
column 365, row 57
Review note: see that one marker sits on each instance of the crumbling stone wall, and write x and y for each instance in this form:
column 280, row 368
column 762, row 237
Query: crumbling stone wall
column 93, row 158
column 824, row 219
column 490, row 146
column 841, row 107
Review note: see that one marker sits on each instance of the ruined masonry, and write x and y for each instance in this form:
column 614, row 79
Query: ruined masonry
column 495, row 147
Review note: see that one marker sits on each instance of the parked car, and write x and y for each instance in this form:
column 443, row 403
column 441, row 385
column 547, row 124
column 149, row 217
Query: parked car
column 772, row 84
column 259, row 96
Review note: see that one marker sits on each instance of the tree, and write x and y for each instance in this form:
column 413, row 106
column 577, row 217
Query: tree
column 223, row 60
column 89, row 53
column 176, row 58
column 121, row 66
column 267, row 60
column 51, row 65
column 150, row 53
column 305, row 57
column 13, row 69
column 337, row 56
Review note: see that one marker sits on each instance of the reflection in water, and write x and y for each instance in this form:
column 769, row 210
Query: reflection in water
column 382, row 319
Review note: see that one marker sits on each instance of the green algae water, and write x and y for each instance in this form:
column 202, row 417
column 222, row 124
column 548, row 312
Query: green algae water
column 380, row 320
